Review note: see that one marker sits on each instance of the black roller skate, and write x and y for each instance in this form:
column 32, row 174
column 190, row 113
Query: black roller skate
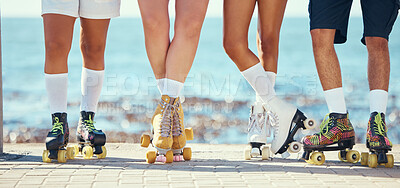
column 57, row 140
column 378, row 143
column 91, row 141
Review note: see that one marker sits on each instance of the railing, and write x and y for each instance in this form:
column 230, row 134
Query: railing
column 1, row 97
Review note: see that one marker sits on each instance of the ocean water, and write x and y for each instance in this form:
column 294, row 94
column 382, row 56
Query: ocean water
column 129, row 86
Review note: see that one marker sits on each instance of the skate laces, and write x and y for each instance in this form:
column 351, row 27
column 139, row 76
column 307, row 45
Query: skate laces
column 379, row 129
column 57, row 125
column 89, row 124
column 326, row 123
column 177, row 128
column 255, row 123
column 165, row 127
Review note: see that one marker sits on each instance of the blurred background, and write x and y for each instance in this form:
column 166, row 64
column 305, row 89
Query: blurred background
column 216, row 97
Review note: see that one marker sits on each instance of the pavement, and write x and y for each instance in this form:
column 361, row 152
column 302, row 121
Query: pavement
column 211, row 166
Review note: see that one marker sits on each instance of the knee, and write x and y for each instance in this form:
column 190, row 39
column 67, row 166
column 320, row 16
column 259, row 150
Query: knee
column 269, row 42
column 376, row 44
column 57, row 50
column 323, row 38
column 234, row 47
column 154, row 24
column 93, row 51
column 189, row 29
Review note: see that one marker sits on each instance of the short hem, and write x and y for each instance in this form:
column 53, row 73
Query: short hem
column 340, row 40
column 61, row 13
column 372, row 35
column 99, row 17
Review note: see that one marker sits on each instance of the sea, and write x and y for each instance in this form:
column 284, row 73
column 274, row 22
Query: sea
column 218, row 95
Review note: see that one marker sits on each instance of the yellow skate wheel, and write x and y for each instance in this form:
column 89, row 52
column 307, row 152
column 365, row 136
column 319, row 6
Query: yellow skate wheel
column 318, row 158
column 247, row 155
column 364, row 158
column 265, row 153
column 145, row 140
column 151, row 156
column 353, row 156
column 103, row 154
column 310, row 161
column 340, row 157
column 62, row 156
column 372, row 161
column 189, row 133
column 70, row 152
column 87, row 152
column 76, row 150
column 169, row 157
column 187, row 154
column 45, row 156
column 390, row 162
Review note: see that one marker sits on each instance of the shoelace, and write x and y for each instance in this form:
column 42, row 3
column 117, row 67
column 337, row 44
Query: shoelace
column 379, row 129
column 165, row 128
column 89, row 124
column 57, row 126
column 273, row 121
column 177, row 123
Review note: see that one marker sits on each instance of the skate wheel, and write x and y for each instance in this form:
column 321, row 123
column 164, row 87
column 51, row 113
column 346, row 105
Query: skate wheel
column 364, row 158
column 169, row 157
column 353, row 156
column 247, row 155
column 151, row 156
column 340, row 157
column 309, row 124
column 265, row 153
column 103, row 154
column 45, row 156
column 189, row 133
column 76, row 150
column 62, row 156
column 87, row 152
column 70, row 152
column 390, row 162
column 294, row 147
column 145, row 140
column 187, row 154
column 318, row 158
column 372, row 161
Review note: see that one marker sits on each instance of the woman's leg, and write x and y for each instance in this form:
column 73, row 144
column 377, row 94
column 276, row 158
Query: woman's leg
column 58, row 31
column 237, row 17
column 190, row 15
column 156, row 25
column 93, row 44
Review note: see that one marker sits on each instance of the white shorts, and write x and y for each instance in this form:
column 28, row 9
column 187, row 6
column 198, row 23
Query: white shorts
column 92, row 9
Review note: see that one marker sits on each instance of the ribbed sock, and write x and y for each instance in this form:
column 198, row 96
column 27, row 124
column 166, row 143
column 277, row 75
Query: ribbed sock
column 56, row 87
column 91, row 84
column 335, row 100
column 378, row 101
column 172, row 88
column 259, row 81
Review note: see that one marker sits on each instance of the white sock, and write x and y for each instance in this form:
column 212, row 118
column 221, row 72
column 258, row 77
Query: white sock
column 335, row 100
column 259, row 81
column 91, row 84
column 272, row 78
column 378, row 101
column 160, row 84
column 172, row 88
column 57, row 86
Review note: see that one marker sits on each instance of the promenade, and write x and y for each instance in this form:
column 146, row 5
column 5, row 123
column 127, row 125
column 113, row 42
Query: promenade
column 211, row 166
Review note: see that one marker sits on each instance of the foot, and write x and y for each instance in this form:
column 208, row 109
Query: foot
column 377, row 132
column 57, row 138
column 87, row 132
column 162, row 124
column 334, row 129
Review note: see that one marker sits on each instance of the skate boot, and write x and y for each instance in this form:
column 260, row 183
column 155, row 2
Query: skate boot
column 180, row 134
column 378, row 143
column 258, row 131
column 91, row 140
column 162, row 132
column 335, row 129
column 57, row 140
column 287, row 121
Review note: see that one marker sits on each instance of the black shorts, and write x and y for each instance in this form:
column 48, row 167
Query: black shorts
column 378, row 17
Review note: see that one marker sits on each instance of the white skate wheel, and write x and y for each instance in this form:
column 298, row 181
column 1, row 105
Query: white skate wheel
column 247, row 155
column 294, row 147
column 309, row 124
column 285, row 155
column 255, row 152
column 265, row 153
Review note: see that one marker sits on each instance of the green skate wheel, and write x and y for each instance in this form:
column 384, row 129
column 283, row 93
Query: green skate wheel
column 364, row 158
column 87, row 152
column 151, row 156
column 103, row 154
column 372, row 161
column 62, row 156
column 318, row 158
column 353, row 156
column 70, row 152
column 45, row 156
column 187, row 154
column 390, row 162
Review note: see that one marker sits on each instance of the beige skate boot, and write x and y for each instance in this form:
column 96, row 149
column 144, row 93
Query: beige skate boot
column 180, row 134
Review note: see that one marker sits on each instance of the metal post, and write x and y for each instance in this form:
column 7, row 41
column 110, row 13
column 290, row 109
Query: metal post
column 1, row 97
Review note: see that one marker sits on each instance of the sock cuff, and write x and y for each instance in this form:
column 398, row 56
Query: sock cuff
column 56, row 75
column 256, row 67
column 92, row 71
column 379, row 91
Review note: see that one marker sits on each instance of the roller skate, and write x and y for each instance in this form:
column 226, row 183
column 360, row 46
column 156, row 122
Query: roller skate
column 180, row 134
column 378, row 143
column 162, row 132
column 57, row 140
column 337, row 129
column 90, row 140
column 286, row 122
column 258, row 131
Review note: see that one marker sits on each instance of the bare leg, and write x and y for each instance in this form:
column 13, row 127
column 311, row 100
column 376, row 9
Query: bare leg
column 378, row 63
column 58, row 31
column 190, row 15
column 269, row 26
column 156, row 30
column 93, row 42
column 326, row 59
column 237, row 17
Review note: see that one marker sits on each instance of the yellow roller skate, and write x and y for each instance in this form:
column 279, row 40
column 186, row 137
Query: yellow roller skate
column 162, row 132
column 180, row 134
